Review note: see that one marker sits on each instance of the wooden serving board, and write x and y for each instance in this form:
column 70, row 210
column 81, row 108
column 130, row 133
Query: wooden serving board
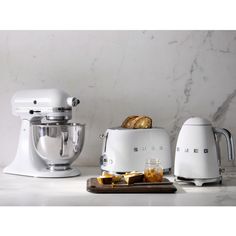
column 164, row 187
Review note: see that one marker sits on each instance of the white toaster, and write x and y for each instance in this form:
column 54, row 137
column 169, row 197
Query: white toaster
column 128, row 149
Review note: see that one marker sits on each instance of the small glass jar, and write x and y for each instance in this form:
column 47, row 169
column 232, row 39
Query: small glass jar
column 153, row 171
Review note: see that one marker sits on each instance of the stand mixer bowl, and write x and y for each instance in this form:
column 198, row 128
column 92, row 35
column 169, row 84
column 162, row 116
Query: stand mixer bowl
column 58, row 145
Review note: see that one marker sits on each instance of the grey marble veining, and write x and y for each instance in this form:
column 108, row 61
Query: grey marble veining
column 223, row 108
column 168, row 75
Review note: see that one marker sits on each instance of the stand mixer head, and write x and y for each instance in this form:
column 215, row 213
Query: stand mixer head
column 52, row 104
column 48, row 144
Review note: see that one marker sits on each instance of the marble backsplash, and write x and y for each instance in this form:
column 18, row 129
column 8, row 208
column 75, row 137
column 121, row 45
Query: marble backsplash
column 168, row 75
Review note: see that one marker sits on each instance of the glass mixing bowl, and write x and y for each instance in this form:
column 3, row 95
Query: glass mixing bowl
column 57, row 144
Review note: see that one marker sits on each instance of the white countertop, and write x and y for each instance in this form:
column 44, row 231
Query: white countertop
column 28, row 191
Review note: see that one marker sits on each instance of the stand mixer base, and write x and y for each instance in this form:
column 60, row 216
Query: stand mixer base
column 45, row 173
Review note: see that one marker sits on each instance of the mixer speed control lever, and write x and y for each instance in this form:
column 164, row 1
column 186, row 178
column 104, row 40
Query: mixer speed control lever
column 32, row 112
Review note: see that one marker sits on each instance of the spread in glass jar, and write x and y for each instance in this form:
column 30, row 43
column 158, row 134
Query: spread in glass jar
column 153, row 171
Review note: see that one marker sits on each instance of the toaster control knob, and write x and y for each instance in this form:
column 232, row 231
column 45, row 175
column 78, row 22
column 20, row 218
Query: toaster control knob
column 103, row 160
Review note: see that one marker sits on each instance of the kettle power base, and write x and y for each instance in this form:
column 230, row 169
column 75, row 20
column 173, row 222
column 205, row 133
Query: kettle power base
column 199, row 182
column 163, row 187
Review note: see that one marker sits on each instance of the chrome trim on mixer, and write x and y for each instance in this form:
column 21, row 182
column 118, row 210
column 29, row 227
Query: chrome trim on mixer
column 61, row 109
column 58, row 167
column 58, row 118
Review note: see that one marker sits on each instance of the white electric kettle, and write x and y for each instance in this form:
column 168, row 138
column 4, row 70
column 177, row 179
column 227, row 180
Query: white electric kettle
column 197, row 156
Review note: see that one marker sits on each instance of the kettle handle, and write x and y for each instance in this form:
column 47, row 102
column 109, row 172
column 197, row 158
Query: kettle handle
column 229, row 141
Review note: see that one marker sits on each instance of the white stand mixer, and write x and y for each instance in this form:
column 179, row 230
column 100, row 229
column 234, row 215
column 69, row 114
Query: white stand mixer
column 35, row 155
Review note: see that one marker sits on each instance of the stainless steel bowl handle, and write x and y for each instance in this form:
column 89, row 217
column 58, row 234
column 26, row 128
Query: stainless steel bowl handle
column 64, row 139
column 76, row 140
column 229, row 141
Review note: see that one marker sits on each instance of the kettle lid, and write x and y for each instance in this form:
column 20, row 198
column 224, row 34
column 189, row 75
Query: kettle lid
column 197, row 121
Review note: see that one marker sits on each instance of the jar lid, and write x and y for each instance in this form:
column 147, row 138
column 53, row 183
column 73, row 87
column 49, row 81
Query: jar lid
column 153, row 161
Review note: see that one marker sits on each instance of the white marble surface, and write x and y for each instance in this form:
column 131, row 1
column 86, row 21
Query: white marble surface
column 168, row 75
column 27, row 191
